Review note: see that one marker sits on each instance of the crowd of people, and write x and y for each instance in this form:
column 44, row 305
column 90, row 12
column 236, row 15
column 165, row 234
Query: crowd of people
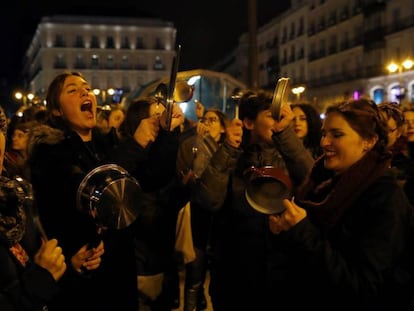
column 340, row 237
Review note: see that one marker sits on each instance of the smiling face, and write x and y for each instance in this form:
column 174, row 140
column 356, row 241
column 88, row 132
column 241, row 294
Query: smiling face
column 78, row 106
column 342, row 145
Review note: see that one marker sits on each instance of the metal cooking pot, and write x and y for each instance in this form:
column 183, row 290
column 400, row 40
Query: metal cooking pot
column 110, row 196
column 266, row 189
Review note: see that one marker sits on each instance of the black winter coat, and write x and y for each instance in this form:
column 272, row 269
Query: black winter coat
column 58, row 162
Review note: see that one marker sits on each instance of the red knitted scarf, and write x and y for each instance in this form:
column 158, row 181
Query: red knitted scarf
column 327, row 196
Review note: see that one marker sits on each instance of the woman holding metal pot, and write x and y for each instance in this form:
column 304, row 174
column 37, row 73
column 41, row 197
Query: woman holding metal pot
column 243, row 268
column 348, row 232
column 33, row 266
column 61, row 154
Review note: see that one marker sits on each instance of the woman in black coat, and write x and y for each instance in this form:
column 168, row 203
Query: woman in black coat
column 61, row 154
column 347, row 229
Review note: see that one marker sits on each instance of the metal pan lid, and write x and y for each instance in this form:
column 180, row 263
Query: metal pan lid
column 280, row 97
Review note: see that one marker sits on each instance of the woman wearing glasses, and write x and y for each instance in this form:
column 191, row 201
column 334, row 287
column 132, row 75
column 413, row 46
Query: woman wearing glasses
column 197, row 147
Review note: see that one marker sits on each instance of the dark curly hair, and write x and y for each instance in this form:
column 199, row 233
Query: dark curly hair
column 252, row 102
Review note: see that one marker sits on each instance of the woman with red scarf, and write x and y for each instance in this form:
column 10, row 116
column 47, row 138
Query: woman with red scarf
column 346, row 230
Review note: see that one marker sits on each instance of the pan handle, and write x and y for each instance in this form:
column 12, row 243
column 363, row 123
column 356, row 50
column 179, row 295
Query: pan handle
column 173, row 78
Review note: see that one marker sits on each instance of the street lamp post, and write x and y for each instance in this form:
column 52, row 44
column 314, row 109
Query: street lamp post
column 399, row 68
column 298, row 91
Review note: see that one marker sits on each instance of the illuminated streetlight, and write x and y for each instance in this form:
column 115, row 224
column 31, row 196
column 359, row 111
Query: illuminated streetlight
column 104, row 94
column 399, row 68
column 25, row 98
column 298, row 91
column 407, row 65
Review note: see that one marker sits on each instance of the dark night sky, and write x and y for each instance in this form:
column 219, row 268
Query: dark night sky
column 206, row 30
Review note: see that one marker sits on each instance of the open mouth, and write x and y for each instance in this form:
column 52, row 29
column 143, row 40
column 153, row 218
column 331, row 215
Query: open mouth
column 86, row 107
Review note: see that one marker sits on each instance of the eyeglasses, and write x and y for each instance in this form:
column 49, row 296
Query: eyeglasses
column 210, row 120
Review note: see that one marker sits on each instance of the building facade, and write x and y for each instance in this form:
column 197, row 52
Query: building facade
column 336, row 49
column 117, row 54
